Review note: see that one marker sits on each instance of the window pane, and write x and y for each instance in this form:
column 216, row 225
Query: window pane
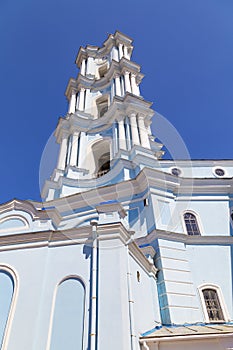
column 67, row 329
column 191, row 224
column 213, row 306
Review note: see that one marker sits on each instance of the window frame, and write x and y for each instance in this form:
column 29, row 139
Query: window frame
column 197, row 221
column 101, row 103
column 5, row 268
column 218, row 291
column 219, row 176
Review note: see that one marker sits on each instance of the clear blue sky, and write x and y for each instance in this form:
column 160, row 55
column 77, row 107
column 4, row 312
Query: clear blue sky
column 185, row 48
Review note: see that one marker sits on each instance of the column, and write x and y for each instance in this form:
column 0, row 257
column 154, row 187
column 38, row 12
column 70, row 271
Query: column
column 83, row 67
column 82, row 150
column 127, row 82
column 135, row 88
column 62, row 153
column 118, row 85
column 74, row 149
column 122, row 140
column 134, row 129
column 120, row 51
column 115, row 54
column 81, row 99
column 72, row 101
column 90, row 66
column 125, row 52
column 143, row 132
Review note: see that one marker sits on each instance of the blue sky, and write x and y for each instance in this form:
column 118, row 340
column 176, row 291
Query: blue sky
column 185, row 48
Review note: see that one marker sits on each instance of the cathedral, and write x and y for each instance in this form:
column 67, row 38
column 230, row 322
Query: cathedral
column 127, row 250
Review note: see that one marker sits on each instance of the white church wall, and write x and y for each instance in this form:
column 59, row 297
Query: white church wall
column 213, row 215
column 113, row 309
column 39, row 272
column 145, row 296
column 212, row 265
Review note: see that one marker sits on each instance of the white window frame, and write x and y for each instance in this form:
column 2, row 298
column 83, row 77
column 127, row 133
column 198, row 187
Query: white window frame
column 218, row 176
column 218, row 290
column 198, row 222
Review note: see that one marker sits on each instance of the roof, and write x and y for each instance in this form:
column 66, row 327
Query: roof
column 161, row 332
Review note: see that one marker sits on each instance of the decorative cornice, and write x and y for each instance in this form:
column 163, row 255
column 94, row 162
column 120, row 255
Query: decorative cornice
column 184, row 238
column 95, row 51
column 25, row 206
column 81, row 121
column 116, row 68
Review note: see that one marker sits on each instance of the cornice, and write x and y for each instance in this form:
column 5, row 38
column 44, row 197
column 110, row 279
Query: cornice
column 80, row 121
column 95, row 51
column 184, row 238
column 116, row 68
column 151, row 178
column 25, row 206
column 138, row 255
column 197, row 162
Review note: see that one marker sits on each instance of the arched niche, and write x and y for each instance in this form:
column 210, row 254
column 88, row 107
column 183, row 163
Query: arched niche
column 102, row 104
column 101, row 156
column 13, row 223
column 7, row 292
column 68, row 315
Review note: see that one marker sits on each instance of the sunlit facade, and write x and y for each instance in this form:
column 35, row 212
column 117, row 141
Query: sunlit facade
column 127, row 250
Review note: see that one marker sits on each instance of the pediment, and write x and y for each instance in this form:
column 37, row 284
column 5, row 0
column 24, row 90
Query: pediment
column 18, row 216
column 24, row 206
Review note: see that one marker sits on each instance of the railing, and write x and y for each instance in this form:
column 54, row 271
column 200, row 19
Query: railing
column 101, row 173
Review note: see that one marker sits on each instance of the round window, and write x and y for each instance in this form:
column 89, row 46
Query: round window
column 219, row 172
column 176, row 171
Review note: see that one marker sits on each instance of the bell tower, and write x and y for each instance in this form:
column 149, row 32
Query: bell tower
column 105, row 137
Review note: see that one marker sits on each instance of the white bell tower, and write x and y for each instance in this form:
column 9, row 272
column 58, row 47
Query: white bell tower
column 105, row 137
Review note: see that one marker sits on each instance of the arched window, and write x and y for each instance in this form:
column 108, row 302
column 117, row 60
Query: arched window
column 212, row 305
column 104, row 164
column 102, row 105
column 103, row 70
column 68, row 316
column 101, row 156
column 191, row 224
column 6, row 296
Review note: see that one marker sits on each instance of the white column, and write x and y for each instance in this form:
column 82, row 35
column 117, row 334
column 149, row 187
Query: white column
column 83, row 67
column 72, row 101
column 118, row 85
column 74, row 149
column 115, row 139
column 127, row 82
column 135, row 88
column 62, row 153
column 120, row 51
column 143, row 132
column 134, row 129
column 122, row 140
column 125, row 51
column 82, row 151
column 115, row 54
column 81, row 99
column 94, row 285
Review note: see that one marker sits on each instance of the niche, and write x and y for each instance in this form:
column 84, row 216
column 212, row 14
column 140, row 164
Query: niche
column 101, row 154
column 102, row 105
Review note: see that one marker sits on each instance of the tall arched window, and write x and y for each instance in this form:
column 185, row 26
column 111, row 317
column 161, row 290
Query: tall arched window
column 68, row 317
column 191, row 224
column 212, row 305
column 6, row 296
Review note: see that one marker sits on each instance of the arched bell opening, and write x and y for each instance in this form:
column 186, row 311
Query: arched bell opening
column 102, row 157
